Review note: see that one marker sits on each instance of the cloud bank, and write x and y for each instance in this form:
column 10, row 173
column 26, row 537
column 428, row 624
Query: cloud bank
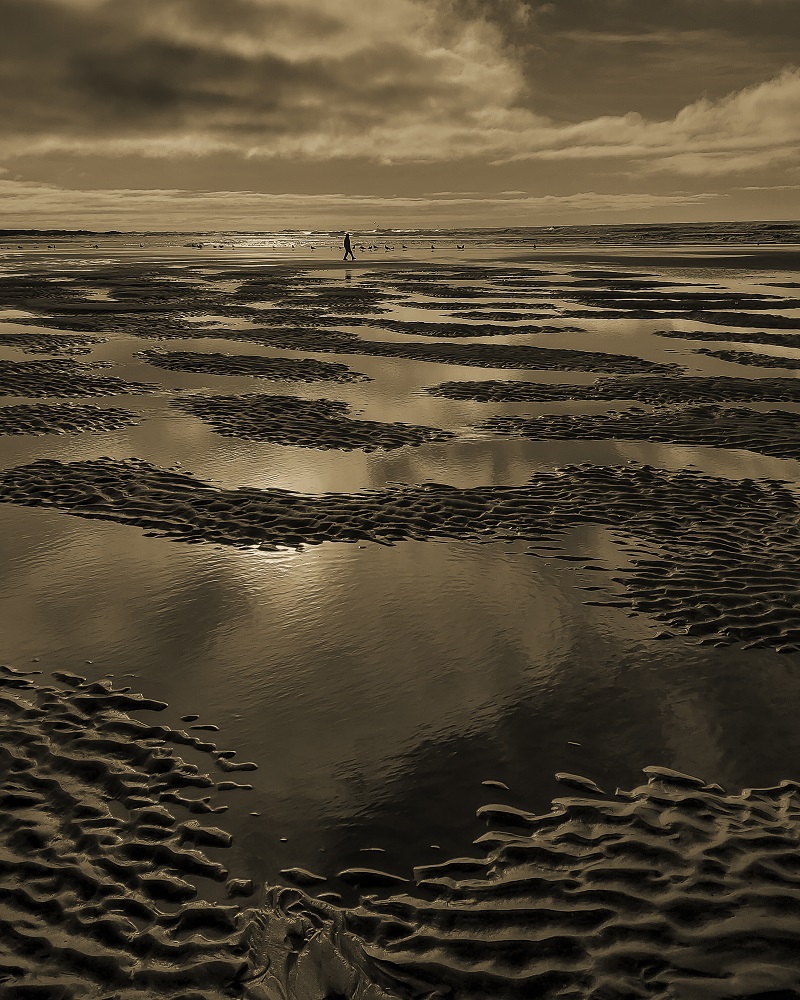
column 396, row 81
column 25, row 204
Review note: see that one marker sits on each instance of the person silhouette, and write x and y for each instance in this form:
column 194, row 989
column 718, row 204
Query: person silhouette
column 348, row 249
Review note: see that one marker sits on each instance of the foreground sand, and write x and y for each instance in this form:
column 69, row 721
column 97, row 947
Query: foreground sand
column 113, row 886
column 673, row 888
column 100, row 846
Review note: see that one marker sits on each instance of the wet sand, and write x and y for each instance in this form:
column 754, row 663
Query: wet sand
column 775, row 432
column 49, row 418
column 113, row 846
column 689, row 389
column 736, row 337
column 306, row 423
column 709, row 568
column 278, row 369
column 103, row 859
column 109, row 880
column 674, row 888
column 751, row 358
column 49, row 343
column 62, row 379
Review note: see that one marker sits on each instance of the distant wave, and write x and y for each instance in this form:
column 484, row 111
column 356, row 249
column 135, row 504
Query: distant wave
column 662, row 235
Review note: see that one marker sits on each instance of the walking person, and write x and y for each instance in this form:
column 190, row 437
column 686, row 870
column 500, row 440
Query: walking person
column 348, row 249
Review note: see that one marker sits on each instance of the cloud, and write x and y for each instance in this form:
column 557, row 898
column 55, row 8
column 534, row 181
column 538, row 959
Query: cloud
column 769, row 187
column 581, row 59
column 394, row 81
column 527, row 22
column 24, row 204
column 755, row 128
column 310, row 78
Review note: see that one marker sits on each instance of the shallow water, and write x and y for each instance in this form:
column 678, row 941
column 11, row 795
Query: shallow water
column 377, row 687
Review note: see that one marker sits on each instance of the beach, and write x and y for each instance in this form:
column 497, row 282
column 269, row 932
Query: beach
column 345, row 606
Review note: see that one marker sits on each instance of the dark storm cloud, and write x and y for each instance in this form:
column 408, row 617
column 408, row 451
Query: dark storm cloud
column 146, row 82
column 246, row 15
column 395, row 80
column 774, row 24
column 584, row 58
column 150, row 67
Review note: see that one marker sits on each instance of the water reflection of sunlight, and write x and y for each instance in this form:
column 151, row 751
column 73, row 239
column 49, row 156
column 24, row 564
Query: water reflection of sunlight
column 258, row 566
column 287, row 631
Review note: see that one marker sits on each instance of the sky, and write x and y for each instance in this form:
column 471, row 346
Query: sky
column 258, row 115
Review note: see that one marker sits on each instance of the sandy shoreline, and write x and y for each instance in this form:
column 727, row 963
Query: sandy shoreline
column 675, row 886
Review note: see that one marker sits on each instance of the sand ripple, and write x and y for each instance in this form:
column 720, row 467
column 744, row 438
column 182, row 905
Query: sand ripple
column 617, row 300
column 59, row 378
column 305, row 423
column 43, row 418
column 108, row 860
column 102, row 866
column 477, row 329
column 279, row 369
column 778, row 339
column 691, row 389
column 512, row 312
column 750, row 358
column 681, row 298
column 288, row 290
column 724, row 553
column 672, row 890
column 49, row 343
column 775, row 433
column 744, row 319
column 150, row 324
column 491, row 355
